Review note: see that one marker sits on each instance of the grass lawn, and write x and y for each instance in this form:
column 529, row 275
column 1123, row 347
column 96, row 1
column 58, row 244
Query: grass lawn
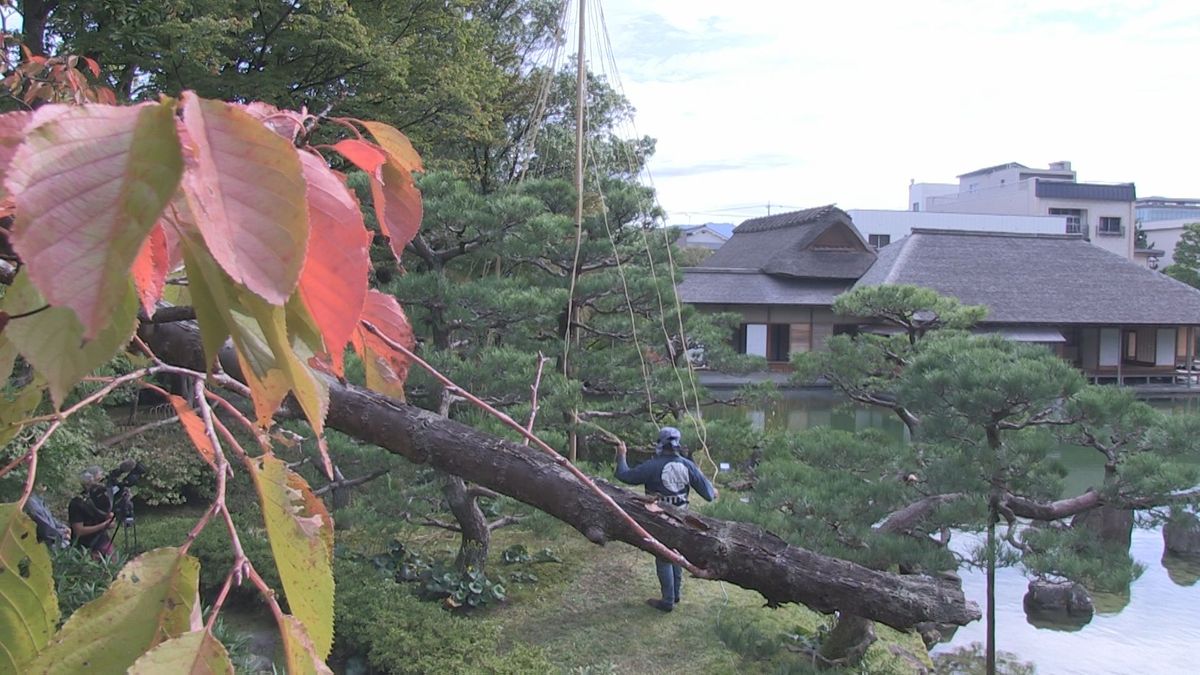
column 595, row 620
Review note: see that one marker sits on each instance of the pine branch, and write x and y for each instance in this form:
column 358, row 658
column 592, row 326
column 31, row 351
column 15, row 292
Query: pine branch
column 345, row 484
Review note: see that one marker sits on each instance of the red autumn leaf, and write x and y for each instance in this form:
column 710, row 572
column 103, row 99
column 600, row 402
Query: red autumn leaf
column 397, row 200
column 386, row 368
column 90, row 183
column 150, row 268
column 246, row 190
column 362, row 154
column 194, row 426
column 333, row 283
column 398, row 207
column 92, row 66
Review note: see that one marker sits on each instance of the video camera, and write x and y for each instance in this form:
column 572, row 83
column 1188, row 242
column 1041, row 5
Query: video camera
column 116, row 489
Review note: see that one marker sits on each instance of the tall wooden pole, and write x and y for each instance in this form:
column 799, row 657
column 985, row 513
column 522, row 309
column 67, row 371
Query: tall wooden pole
column 572, row 310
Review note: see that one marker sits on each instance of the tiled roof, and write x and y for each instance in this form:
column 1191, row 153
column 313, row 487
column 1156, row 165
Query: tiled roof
column 709, row 286
column 1035, row 278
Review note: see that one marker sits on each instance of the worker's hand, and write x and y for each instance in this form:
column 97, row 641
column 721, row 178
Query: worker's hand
column 111, row 522
column 716, row 494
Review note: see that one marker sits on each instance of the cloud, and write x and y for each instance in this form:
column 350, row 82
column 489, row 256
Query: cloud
column 748, row 163
column 852, row 100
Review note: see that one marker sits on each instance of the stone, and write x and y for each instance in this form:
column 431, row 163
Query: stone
column 1181, row 535
column 1113, row 526
column 1062, row 598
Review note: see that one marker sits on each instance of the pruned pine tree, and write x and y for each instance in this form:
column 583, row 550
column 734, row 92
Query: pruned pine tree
column 987, row 417
column 489, row 285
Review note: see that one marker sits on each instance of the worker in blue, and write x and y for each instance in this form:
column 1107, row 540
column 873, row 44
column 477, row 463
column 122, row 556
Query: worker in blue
column 670, row 476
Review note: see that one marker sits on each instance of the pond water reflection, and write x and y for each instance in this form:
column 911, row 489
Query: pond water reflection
column 1154, row 628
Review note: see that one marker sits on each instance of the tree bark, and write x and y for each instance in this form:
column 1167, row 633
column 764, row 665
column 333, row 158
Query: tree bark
column 34, row 15
column 742, row 554
column 476, row 535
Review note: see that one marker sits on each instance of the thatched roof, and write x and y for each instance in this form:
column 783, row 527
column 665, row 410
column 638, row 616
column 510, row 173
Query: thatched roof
column 710, row 286
column 1035, row 278
column 819, row 243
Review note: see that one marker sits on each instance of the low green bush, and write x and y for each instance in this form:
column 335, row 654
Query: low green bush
column 213, row 547
column 175, row 473
column 79, row 578
column 396, row 632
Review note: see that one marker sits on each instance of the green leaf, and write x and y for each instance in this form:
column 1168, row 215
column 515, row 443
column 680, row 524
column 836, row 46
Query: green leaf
column 195, row 653
column 266, row 349
column 16, row 408
column 273, row 343
column 153, row 599
column 8, row 357
column 301, row 535
column 28, row 606
column 88, row 187
column 52, row 339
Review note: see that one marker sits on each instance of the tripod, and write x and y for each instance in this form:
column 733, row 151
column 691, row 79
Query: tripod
column 130, row 525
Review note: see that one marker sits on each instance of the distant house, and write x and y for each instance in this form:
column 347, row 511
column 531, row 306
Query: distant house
column 781, row 273
column 709, row 235
column 1111, row 317
column 1102, row 213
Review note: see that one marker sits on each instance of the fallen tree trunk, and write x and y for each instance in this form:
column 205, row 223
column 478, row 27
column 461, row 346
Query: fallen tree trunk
column 742, row 554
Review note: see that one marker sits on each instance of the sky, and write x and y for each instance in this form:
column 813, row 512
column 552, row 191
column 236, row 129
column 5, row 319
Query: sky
column 798, row 104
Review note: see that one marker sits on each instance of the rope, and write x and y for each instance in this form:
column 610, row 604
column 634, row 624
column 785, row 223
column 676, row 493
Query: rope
column 529, row 144
column 696, row 418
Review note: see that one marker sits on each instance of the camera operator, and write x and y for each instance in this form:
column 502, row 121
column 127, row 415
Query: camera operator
column 90, row 513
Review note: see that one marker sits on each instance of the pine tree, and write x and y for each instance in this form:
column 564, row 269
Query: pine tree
column 986, row 417
column 1185, row 265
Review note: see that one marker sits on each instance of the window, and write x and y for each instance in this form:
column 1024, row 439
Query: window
column 916, row 206
column 1110, row 225
column 778, row 341
column 1075, row 222
column 879, row 240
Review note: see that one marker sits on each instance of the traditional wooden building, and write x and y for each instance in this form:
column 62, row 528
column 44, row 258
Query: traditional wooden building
column 781, row 273
column 1112, row 318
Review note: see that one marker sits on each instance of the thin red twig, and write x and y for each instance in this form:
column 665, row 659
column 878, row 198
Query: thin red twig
column 32, row 458
column 655, row 546
column 13, row 464
column 216, row 608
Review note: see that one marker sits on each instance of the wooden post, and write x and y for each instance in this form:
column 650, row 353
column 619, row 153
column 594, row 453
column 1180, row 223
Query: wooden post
column 1120, row 353
column 1190, row 352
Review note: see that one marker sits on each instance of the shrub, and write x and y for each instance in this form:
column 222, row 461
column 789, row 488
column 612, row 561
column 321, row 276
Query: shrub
column 174, row 471
column 398, row 633
column 79, row 579
column 212, row 547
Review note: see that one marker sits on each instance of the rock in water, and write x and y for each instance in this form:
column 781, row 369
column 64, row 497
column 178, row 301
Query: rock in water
column 1064, row 601
column 1181, row 535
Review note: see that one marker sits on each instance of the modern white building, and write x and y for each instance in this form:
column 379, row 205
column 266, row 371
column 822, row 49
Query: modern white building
column 1163, row 220
column 1102, row 212
column 882, row 227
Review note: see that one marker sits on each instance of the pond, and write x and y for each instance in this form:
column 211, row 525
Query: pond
column 1155, row 629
